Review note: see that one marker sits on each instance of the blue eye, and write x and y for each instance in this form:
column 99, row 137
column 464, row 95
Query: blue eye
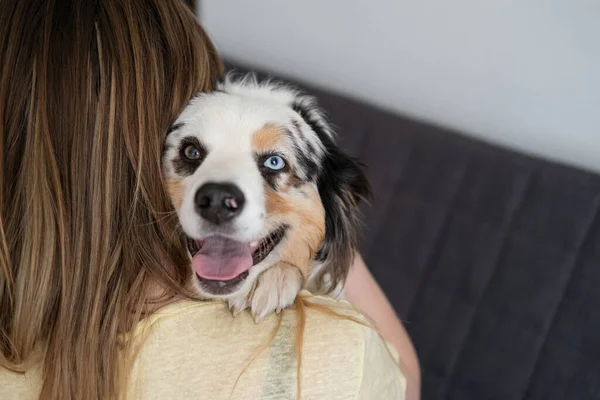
column 275, row 162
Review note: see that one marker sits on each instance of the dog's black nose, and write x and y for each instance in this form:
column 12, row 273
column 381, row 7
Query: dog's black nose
column 219, row 202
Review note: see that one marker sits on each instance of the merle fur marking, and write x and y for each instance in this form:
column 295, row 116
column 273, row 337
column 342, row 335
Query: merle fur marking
column 312, row 116
column 305, row 158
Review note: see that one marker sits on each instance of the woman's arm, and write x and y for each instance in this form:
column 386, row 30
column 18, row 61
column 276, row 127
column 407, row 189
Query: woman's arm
column 364, row 293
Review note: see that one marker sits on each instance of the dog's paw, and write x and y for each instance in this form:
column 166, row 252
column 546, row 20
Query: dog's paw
column 275, row 290
column 238, row 304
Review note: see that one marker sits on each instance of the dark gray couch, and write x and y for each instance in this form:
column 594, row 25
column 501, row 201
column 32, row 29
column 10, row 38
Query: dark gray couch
column 490, row 257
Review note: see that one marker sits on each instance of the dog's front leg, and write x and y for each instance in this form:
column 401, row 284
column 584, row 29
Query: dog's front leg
column 275, row 289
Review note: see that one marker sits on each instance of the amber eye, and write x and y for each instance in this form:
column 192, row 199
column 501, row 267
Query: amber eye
column 191, row 153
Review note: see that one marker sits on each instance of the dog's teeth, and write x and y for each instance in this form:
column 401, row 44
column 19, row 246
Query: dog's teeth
column 221, row 284
column 253, row 244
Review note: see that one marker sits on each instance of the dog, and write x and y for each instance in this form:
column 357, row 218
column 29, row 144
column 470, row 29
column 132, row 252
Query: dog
column 267, row 202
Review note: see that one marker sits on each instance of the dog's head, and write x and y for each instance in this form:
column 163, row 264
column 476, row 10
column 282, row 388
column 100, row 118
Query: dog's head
column 257, row 179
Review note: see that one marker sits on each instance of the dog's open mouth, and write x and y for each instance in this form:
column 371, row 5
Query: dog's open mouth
column 221, row 263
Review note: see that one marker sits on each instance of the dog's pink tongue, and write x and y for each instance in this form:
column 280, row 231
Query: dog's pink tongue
column 222, row 259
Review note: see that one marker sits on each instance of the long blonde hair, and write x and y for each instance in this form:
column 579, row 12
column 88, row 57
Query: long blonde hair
column 87, row 92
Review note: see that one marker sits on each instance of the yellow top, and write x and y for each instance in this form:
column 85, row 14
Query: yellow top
column 193, row 350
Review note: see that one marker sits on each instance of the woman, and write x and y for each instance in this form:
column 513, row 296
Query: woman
column 93, row 301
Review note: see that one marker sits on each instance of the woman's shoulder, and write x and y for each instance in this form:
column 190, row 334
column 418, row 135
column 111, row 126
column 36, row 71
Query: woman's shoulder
column 319, row 313
column 189, row 345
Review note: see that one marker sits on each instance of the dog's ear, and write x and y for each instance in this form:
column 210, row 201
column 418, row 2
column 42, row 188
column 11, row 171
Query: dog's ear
column 342, row 183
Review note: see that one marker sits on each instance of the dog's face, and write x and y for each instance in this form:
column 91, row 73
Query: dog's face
column 256, row 180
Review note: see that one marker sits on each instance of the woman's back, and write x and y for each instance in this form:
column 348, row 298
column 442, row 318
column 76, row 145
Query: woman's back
column 192, row 350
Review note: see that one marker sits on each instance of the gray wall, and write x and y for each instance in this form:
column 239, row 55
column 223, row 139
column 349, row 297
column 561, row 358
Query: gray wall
column 524, row 73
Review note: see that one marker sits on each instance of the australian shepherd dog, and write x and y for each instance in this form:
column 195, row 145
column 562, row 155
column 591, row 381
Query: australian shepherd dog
column 266, row 200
